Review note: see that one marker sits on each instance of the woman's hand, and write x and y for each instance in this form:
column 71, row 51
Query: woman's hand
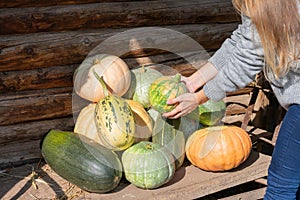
column 190, row 101
column 189, row 84
column 186, row 104
column 200, row 77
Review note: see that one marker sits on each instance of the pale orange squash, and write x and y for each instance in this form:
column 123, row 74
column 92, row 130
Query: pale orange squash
column 143, row 121
column 218, row 148
column 85, row 123
column 114, row 71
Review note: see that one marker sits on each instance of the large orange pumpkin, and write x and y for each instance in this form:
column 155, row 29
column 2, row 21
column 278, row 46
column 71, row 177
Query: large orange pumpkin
column 115, row 73
column 218, row 148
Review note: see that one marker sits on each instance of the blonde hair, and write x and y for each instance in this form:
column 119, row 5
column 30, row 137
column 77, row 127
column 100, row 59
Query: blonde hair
column 277, row 23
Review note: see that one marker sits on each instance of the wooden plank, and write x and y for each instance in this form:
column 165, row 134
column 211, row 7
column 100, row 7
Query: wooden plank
column 189, row 183
column 31, row 51
column 115, row 14
column 195, row 183
column 237, row 104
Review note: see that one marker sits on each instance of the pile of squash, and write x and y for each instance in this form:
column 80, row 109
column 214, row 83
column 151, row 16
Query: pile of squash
column 121, row 132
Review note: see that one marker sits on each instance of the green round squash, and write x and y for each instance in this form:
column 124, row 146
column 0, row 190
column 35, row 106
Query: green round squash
column 163, row 89
column 144, row 76
column 185, row 124
column 154, row 114
column 211, row 112
column 148, row 165
column 129, row 93
column 171, row 138
column 81, row 161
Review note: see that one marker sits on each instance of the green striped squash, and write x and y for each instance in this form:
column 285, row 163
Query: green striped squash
column 163, row 89
column 144, row 77
column 114, row 120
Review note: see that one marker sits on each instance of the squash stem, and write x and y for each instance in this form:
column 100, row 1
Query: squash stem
column 177, row 78
column 143, row 70
column 102, row 82
column 149, row 146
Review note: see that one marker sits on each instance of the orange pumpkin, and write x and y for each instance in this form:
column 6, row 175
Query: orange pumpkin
column 114, row 71
column 218, row 148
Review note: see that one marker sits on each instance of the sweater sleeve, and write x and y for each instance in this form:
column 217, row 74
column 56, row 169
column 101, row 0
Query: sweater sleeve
column 238, row 60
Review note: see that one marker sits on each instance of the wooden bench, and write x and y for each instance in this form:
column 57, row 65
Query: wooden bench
column 189, row 183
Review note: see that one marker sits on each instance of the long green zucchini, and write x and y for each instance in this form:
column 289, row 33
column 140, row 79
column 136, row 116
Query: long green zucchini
column 81, row 161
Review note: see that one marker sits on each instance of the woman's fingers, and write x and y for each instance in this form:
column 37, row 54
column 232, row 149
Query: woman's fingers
column 172, row 114
column 185, row 103
column 173, row 101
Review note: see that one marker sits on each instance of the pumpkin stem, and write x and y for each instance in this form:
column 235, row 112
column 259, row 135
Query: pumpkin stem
column 177, row 78
column 102, row 82
column 97, row 61
column 143, row 70
column 149, row 146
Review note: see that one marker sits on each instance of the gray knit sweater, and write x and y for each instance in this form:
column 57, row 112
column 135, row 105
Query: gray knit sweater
column 239, row 59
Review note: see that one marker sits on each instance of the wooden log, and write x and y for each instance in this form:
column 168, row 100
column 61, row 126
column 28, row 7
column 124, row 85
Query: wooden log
column 117, row 14
column 20, row 143
column 62, row 76
column 22, row 52
column 33, row 130
column 48, row 101
column 185, row 64
column 42, row 78
column 43, row 3
column 25, row 106
column 35, row 105
column 19, row 153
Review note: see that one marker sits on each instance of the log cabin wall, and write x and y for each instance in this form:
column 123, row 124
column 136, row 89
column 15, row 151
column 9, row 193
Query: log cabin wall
column 43, row 42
